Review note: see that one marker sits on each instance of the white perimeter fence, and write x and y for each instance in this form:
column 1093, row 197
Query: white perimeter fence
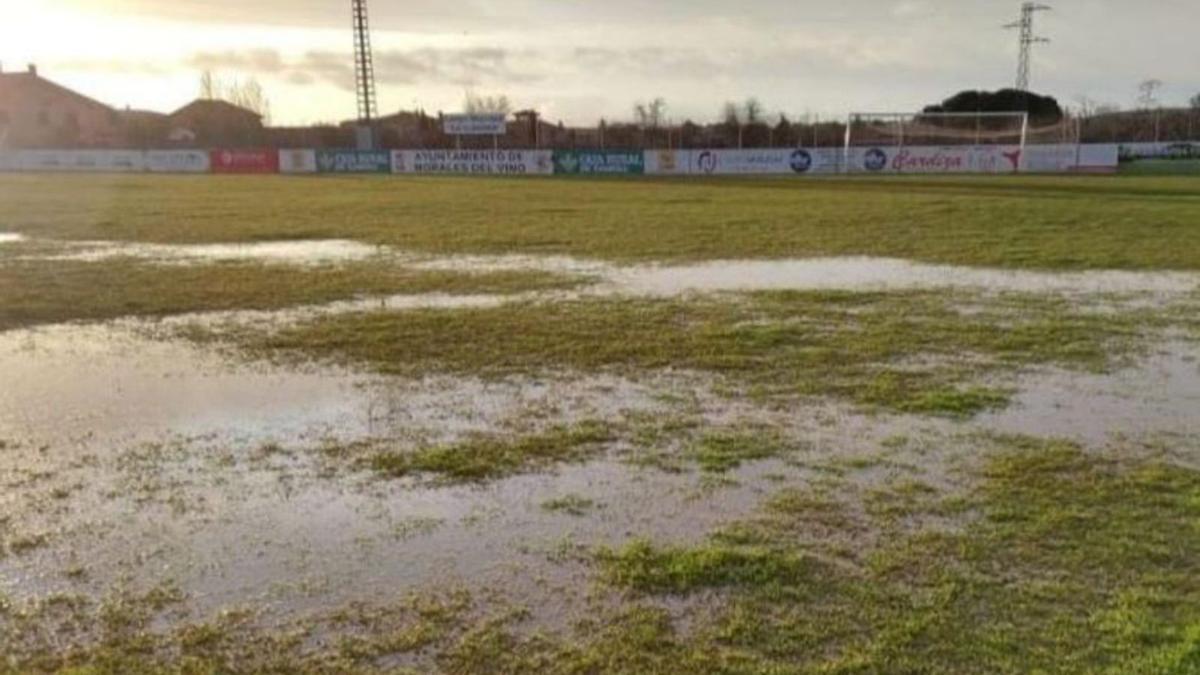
column 987, row 159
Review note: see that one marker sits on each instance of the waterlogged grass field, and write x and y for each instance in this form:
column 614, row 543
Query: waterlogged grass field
column 268, row 424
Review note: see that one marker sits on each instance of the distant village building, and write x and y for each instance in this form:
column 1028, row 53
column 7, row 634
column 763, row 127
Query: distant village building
column 212, row 122
column 35, row 112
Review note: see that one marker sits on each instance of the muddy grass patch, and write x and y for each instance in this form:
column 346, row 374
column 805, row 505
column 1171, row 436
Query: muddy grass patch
column 492, row 457
column 40, row 292
column 908, row 352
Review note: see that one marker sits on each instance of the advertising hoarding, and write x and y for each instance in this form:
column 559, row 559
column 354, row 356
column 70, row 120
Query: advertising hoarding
column 573, row 162
column 245, row 161
column 767, row 161
column 937, row 159
column 177, row 161
column 298, row 161
column 99, row 161
column 354, row 161
column 476, row 162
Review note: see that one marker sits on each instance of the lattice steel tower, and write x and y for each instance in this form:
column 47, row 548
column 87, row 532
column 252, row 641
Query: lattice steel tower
column 1028, row 40
column 364, row 65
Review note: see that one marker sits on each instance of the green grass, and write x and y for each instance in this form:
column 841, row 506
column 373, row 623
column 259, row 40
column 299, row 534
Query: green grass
column 1073, row 564
column 722, row 451
column 572, row 505
column 909, row 352
column 36, row 292
column 1075, row 222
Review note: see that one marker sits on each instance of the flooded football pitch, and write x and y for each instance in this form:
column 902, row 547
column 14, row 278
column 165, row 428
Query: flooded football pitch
column 136, row 457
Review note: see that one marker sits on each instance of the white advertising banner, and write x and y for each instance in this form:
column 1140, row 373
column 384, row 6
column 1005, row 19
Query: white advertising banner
column 100, row 161
column 776, row 161
column 936, row 159
column 297, row 161
column 767, row 161
column 485, row 124
column 477, row 162
column 177, row 161
column 1095, row 158
column 10, row 161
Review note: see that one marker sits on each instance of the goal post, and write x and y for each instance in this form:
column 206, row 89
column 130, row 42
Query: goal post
column 983, row 142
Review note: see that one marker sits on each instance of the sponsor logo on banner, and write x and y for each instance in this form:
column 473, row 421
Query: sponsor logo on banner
column 478, row 162
column 599, row 162
column 801, row 161
column 354, row 161
column 668, row 162
column 487, row 124
column 875, row 160
column 706, row 161
column 245, row 161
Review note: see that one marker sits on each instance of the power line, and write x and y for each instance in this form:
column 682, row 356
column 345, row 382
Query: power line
column 1027, row 40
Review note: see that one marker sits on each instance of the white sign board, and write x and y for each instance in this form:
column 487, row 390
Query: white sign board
column 177, row 161
column 487, row 124
column 99, row 161
column 1097, row 158
column 297, row 161
column 477, row 162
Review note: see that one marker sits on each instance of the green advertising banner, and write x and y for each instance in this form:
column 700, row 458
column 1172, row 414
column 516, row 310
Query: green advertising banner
column 354, row 161
column 576, row 162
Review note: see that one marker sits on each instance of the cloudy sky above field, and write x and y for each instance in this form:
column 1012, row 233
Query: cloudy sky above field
column 582, row 59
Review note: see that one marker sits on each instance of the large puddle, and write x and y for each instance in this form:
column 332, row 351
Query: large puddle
column 306, row 252
column 158, row 447
column 884, row 274
column 815, row 274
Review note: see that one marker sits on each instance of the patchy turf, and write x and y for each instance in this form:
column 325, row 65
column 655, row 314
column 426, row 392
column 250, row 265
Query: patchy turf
column 41, row 292
column 1062, row 562
column 909, row 352
column 1075, row 222
column 485, row 457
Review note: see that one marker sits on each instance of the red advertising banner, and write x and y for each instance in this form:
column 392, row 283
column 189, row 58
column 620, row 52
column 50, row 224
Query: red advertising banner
column 245, row 161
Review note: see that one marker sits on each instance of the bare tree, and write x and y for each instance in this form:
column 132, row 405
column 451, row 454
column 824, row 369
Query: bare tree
column 1148, row 93
column 754, row 110
column 1195, row 102
column 248, row 94
column 251, row 96
column 209, row 88
column 476, row 104
column 652, row 115
column 1086, row 106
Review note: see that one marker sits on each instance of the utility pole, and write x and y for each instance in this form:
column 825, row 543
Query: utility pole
column 364, row 76
column 1027, row 40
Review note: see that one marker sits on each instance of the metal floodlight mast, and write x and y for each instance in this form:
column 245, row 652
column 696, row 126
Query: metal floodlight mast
column 364, row 65
column 1027, row 40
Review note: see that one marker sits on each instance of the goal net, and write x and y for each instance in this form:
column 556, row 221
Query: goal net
column 936, row 142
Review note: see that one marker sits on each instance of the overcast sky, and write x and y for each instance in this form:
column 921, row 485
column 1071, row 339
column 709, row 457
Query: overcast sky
column 582, row 59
